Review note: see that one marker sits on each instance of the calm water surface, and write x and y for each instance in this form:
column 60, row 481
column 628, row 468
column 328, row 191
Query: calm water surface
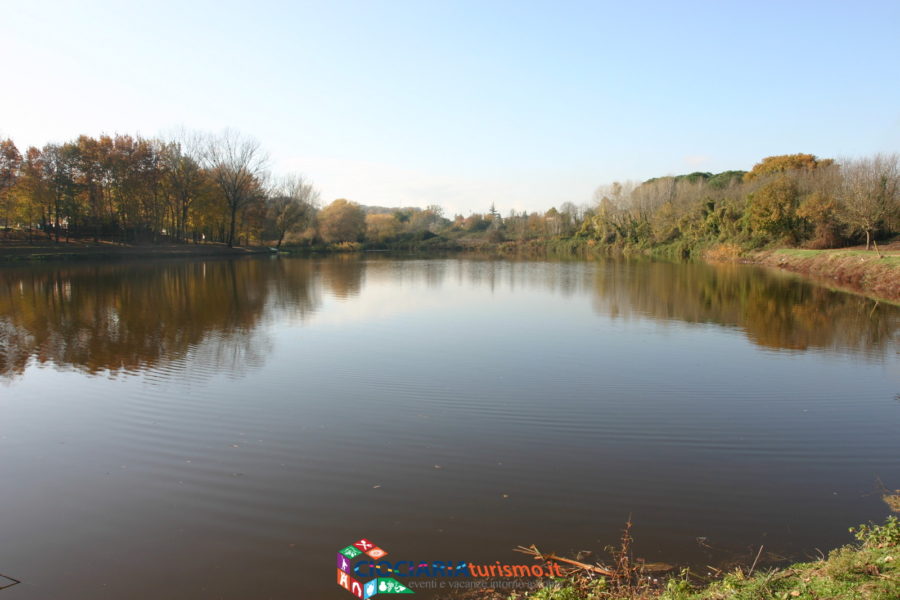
column 192, row 430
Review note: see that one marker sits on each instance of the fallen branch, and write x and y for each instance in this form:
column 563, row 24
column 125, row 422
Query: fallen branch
column 755, row 561
column 533, row 551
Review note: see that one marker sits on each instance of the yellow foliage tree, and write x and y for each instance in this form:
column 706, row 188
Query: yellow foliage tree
column 381, row 227
column 342, row 221
column 785, row 162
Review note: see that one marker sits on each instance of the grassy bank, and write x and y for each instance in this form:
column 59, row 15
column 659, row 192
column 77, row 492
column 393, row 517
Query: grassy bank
column 868, row 569
column 857, row 269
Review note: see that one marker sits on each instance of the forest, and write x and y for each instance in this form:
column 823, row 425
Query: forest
column 201, row 188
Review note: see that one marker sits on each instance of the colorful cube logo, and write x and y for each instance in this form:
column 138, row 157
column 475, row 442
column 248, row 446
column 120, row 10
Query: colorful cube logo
column 364, row 590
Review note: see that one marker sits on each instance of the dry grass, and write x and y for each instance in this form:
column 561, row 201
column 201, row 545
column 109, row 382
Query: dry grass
column 892, row 500
column 723, row 253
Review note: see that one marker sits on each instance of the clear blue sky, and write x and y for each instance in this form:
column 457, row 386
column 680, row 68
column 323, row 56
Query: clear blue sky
column 524, row 104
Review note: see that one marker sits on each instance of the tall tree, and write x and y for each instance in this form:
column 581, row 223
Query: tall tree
column 35, row 199
column 10, row 162
column 185, row 177
column 291, row 206
column 88, row 154
column 237, row 165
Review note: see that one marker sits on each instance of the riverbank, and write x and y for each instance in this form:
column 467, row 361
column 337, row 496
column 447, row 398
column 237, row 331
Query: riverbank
column 868, row 569
column 855, row 269
column 75, row 250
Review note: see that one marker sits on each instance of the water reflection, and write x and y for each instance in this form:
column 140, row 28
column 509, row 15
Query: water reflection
column 774, row 310
column 130, row 317
column 343, row 275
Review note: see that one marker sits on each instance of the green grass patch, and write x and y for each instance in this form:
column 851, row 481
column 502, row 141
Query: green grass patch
column 866, row 570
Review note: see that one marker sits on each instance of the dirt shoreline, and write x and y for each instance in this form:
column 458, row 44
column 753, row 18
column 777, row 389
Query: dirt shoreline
column 852, row 269
column 106, row 251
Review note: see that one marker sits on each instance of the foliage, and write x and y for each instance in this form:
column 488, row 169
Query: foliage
column 785, row 162
column 342, row 221
column 819, row 211
column 132, row 189
column 725, row 179
column 877, row 536
column 381, row 227
column 773, row 209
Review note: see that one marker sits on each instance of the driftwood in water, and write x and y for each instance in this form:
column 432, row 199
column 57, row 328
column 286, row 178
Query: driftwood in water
column 647, row 567
column 533, row 551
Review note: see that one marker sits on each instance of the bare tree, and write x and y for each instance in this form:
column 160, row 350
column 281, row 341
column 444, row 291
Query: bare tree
column 291, row 206
column 237, row 165
column 870, row 193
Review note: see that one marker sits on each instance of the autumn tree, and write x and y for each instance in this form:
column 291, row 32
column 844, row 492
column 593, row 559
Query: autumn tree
column 785, row 162
column 381, row 227
column 184, row 177
column 88, row 155
column 820, row 211
column 773, row 208
column 58, row 172
column 10, row 162
column 342, row 221
column 35, row 200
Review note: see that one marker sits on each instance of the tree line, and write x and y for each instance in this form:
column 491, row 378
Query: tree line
column 121, row 188
column 217, row 188
column 794, row 199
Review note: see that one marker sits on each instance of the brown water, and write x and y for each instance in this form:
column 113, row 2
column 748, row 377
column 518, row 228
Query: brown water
column 219, row 429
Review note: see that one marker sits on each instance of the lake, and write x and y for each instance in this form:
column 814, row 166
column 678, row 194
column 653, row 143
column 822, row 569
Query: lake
column 220, row 429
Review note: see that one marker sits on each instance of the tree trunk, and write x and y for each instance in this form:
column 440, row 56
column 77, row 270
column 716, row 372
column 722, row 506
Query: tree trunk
column 233, row 222
column 184, row 210
column 867, row 239
column 56, row 226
